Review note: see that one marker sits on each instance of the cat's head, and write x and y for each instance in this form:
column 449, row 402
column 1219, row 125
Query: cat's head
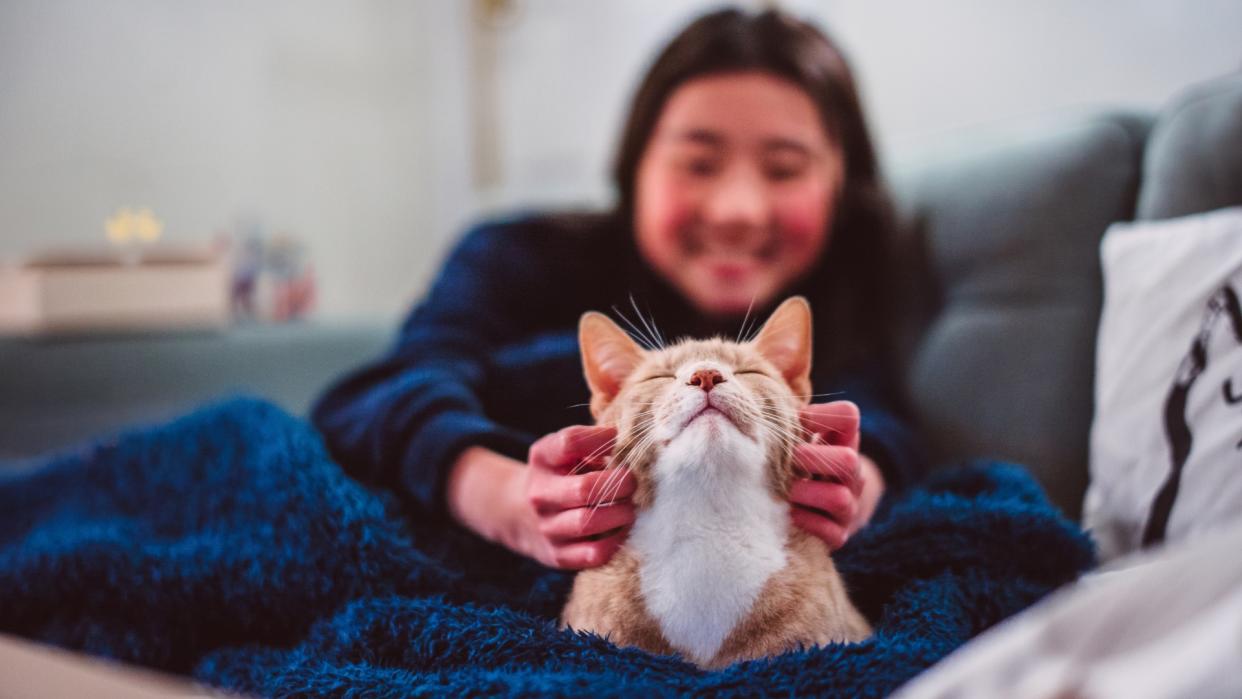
column 702, row 396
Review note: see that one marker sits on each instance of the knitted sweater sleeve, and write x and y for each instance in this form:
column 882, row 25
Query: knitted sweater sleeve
column 401, row 421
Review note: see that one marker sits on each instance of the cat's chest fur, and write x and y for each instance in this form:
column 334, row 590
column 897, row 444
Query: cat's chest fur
column 713, row 569
column 709, row 542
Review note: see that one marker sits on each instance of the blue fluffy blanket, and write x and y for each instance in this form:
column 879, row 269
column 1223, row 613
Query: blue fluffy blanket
column 227, row 545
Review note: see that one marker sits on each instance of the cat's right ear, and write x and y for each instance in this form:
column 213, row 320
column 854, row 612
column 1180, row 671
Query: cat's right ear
column 609, row 356
column 785, row 340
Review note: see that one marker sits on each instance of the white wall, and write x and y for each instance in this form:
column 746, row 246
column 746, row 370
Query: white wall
column 321, row 118
column 925, row 68
column 349, row 123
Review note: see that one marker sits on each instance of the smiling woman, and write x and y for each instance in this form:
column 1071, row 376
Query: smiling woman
column 745, row 175
column 736, row 189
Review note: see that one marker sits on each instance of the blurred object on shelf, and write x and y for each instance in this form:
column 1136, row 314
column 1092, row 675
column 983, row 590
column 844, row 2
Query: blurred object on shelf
column 134, row 284
column 87, row 291
column 130, row 231
column 247, row 265
column 126, row 226
column 273, row 279
column 293, row 278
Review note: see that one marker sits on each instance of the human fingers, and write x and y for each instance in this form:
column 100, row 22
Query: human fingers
column 835, row 422
column 827, row 530
column 832, row 500
column 586, row 554
column 582, row 522
column 832, row 463
column 573, row 448
column 550, row 491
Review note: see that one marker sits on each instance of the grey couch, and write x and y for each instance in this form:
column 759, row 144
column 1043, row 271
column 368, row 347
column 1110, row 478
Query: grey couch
column 1002, row 297
column 1004, row 288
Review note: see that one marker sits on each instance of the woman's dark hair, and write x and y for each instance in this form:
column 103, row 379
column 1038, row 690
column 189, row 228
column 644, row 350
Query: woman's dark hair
column 849, row 288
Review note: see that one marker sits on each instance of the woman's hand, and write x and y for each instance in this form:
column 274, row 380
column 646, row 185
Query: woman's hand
column 561, row 508
column 843, row 487
column 577, row 514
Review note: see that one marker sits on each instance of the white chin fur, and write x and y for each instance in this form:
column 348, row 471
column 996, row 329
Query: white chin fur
column 712, row 537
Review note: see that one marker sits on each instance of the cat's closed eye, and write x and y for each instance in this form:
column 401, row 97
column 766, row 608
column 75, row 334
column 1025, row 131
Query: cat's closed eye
column 653, row 377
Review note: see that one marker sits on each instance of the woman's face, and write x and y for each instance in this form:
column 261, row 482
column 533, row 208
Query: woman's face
column 736, row 190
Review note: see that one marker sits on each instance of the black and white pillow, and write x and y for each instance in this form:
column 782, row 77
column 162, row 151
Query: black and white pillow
column 1166, row 441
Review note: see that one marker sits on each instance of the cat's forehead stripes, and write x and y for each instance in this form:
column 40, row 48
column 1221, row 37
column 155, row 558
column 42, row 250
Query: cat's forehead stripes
column 728, row 353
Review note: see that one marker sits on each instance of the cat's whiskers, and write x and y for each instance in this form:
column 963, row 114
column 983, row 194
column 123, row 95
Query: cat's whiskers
column 639, row 445
column 771, row 326
column 781, row 426
column 610, row 489
column 647, row 343
column 640, row 439
column 776, row 325
column 600, row 450
column 825, row 427
column 651, row 326
column 788, row 413
column 832, row 469
column 807, row 396
column 595, row 453
column 617, row 442
column 818, row 459
column 778, row 426
column 749, row 307
column 782, row 416
column 611, row 485
column 832, row 429
column 649, row 335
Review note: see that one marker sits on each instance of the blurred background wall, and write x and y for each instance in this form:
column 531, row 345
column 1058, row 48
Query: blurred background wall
column 376, row 129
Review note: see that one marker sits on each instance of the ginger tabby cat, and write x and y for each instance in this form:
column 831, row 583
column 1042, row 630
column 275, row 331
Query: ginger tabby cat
column 712, row 570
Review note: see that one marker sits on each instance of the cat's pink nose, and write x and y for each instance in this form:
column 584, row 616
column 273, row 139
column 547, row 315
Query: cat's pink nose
column 706, row 379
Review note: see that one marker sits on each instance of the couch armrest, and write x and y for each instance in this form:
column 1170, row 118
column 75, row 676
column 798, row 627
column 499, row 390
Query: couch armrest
column 55, row 392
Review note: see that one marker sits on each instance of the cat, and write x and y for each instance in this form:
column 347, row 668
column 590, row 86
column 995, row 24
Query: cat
column 713, row 569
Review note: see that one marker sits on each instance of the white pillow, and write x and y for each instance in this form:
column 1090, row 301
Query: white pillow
column 1168, row 384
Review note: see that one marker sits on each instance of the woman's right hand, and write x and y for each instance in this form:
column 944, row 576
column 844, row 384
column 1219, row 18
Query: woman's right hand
column 562, row 508
column 577, row 514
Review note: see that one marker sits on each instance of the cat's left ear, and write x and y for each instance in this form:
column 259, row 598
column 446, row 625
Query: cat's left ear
column 785, row 340
column 609, row 356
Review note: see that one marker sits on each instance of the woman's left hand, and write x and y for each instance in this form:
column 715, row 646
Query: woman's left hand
column 842, row 486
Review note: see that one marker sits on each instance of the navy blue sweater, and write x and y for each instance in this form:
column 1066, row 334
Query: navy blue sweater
column 490, row 358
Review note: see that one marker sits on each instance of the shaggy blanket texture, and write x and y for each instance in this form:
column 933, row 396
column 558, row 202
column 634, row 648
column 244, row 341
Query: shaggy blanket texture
column 226, row 545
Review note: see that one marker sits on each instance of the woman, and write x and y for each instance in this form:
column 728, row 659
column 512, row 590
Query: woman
column 745, row 174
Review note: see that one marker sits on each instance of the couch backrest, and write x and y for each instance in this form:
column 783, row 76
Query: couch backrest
column 1004, row 236
column 1194, row 156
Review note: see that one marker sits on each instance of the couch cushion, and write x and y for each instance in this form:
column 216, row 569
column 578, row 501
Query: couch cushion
column 1194, row 157
column 1003, row 230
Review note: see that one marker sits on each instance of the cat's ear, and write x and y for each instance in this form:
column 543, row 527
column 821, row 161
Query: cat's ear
column 785, row 340
column 609, row 356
